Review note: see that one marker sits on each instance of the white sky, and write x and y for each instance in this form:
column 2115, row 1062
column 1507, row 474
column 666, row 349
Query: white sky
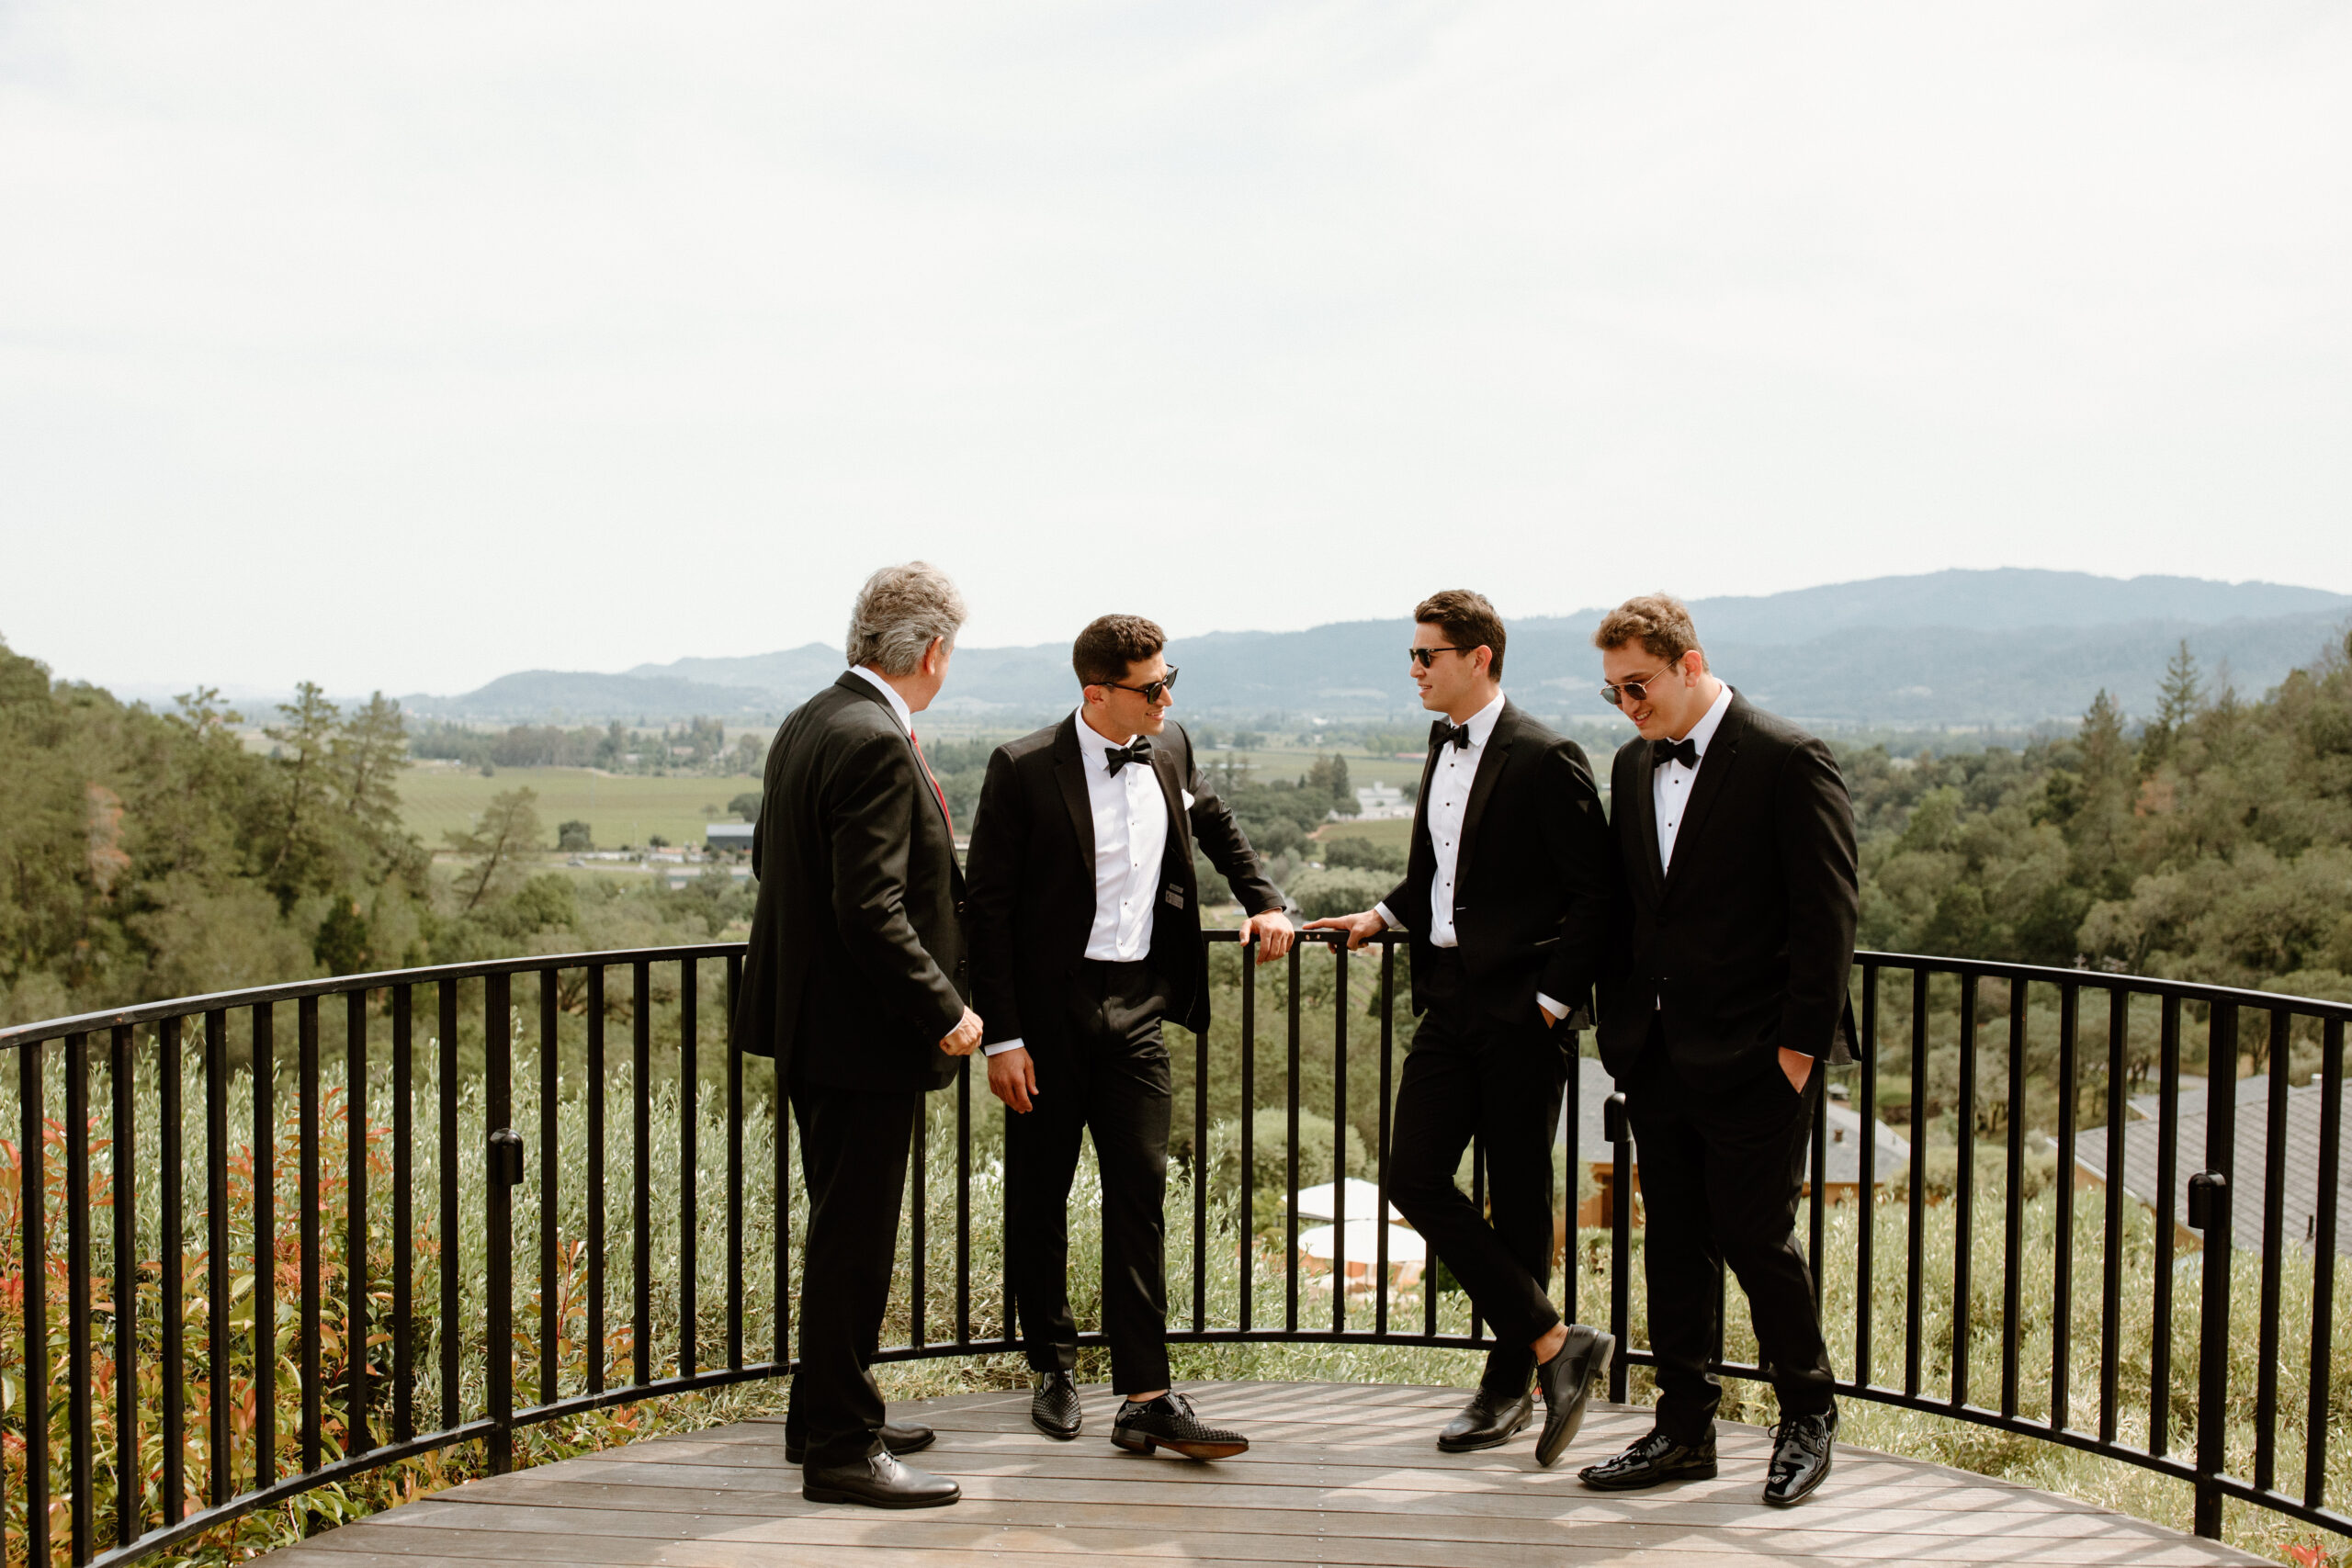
column 404, row 345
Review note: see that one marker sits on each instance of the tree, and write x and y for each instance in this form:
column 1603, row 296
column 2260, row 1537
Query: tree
column 575, row 835
column 498, row 851
column 746, row 806
column 2178, row 701
column 1328, row 773
column 305, row 744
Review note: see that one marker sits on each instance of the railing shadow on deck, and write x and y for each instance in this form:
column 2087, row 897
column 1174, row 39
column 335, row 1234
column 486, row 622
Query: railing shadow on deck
column 148, row 1402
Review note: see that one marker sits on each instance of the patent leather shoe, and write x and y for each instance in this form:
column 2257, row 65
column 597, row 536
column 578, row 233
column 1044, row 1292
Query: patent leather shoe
column 878, row 1481
column 899, row 1440
column 1801, row 1451
column 1566, row 1382
column 1654, row 1460
column 1053, row 1409
column 1489, row 1421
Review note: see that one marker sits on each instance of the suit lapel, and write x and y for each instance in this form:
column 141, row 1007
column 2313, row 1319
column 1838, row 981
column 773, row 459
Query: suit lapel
column 1645, row 824
column 1069, row 773
column 1491, row 760
column 1716, row 767
column 1163, row 768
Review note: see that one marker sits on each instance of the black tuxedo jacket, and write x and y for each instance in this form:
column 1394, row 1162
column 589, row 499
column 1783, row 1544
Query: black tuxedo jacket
column 856, row 969
column 1535, row 879
column 1746, row 946
column 1033, row 879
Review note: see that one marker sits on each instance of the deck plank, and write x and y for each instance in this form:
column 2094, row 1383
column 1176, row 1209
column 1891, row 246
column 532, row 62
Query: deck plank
column 1345, row 1474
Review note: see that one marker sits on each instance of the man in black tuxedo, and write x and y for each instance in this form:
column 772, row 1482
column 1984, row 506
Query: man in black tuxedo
column 1086, row 936
column 854, row 981
column 1737, row 931
column 1507, row 893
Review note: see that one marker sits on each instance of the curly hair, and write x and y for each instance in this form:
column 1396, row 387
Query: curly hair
column 897, row 613
column 1659, row 622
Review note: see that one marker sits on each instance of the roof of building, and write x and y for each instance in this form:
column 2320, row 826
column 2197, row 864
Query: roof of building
column 1844, row 1165
column 2300, row 1196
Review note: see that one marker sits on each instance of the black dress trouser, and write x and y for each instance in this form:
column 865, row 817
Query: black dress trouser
column 1721, row 1168
column 853, row 1162
column 1468, row 1076
column 1106, row 1072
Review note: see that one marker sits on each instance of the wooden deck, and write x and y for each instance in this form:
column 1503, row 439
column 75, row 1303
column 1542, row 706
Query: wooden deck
column 1342, row 1473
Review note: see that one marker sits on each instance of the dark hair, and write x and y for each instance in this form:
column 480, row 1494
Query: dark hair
column 1110, row 644
column 1659, row 622
column 1467, row 620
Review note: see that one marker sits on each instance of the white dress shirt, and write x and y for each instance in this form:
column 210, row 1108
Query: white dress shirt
column 898, row 702
column 1670, row 785
column 1447, row 804
column 1130, row 814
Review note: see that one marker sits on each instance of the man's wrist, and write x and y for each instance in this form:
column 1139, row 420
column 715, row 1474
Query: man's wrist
column 1002, row 1046
column 1552, row 1009
column 1391, row 921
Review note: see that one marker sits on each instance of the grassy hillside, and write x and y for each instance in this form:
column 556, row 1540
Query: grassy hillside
column 618, row 808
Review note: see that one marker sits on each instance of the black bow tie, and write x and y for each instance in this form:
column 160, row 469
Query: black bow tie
column 1443, row 730
column 1135, row 750
column 1685, row 751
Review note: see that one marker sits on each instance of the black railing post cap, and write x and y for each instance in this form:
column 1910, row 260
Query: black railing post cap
column 2202, row 1189
column 1612, row 1120
column 506, row 1157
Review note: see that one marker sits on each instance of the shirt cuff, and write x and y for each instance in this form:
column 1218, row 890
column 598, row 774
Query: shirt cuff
column 1393, row 923
column 1555, row 1009
column 1002, row 1046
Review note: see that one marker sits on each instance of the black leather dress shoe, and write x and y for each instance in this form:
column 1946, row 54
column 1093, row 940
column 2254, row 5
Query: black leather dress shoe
column 1053, row 1409
column 1489, row 1421
column 907, row 1439
column 1801, row 1451
column 1656, row 1458
column 878, row 1481
column 1167, row 1422
column 1567, row 1382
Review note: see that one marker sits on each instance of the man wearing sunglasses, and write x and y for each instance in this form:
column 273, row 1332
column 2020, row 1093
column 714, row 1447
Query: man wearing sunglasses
column 1086, row 935
column 1736, row 842
column 1507, row 894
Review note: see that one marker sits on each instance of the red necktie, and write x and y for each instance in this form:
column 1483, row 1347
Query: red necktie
column 937, row 794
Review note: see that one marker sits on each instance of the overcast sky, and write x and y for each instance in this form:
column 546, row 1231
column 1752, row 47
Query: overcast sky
column 405, row 345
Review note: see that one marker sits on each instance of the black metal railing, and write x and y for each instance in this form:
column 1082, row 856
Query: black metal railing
column 245, row 1271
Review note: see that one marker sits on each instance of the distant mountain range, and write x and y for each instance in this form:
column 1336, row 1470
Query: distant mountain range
column 2008, row 648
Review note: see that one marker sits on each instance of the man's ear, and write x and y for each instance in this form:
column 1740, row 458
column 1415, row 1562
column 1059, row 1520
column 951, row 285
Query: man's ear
column 1694, row 664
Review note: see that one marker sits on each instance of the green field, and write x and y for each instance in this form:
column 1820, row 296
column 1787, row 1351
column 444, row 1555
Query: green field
column 618, row 808
column 1391, row 832
column 1290, row 763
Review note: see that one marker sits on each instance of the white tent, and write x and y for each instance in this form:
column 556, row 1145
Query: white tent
column 1364, row 1245
column 1364, row 1201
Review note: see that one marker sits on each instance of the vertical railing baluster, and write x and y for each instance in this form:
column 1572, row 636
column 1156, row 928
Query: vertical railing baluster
column 1916, row 1248
column 2061, row 1291
column 1964, row 1241
column 357, row 1281
column 171, row 1251
column 551, row 1241
column 220, row 1395
column 918, row 1233
column 734, row 1178
column 1817, row 1204
column 123, row 1229
column 784, row 1229
column 1621, row 1243
column 32, row 1176
column 2328, row 1196
column 640, row 1174
column 1571, row 1151
column 1478, row 1201
column 689, row 1165
column 498, row 1218
column 2111, row 1300
column 592, row 1095
column 265, row 1044
column 2274, row 1204
column 2214, row 1271
column 1866, row 1223
column 80, row 1435
column 403, row 1087
column 964, row 1208
column 1289, row 1157
column 1249, row 1227
column 2167, row 1220
column 1339, row 1125
column 2013, row 1205
column 1380, row 1207
column 1200, row 1171
column 306, row 1016
column 451, row 1328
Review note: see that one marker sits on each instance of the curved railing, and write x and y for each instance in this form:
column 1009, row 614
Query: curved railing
column 476, row 1221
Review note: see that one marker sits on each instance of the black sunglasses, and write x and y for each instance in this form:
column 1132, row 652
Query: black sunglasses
column 1637, row 689
column 1425, row 657
column 1150, row 690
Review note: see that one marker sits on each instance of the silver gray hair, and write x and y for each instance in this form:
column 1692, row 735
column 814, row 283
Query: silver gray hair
column 897, row 613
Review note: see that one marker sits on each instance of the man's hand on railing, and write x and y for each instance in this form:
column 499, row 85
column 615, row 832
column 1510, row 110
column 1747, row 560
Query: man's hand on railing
column 965, row 1038
column 1012, row 1078
column 1360, row 927
column 1274, row 931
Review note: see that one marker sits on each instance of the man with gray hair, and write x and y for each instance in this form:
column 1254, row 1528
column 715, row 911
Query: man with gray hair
column 856, row 982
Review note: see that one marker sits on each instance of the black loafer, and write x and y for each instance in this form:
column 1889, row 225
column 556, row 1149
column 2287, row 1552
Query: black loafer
column 1489, row 1421
column 1566, row 1381
column 907, row 1439
column 878, row 1481
column 1053, row 1409
column 1801, row 1451
column 1654, row 1460
column 1167, row 1422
